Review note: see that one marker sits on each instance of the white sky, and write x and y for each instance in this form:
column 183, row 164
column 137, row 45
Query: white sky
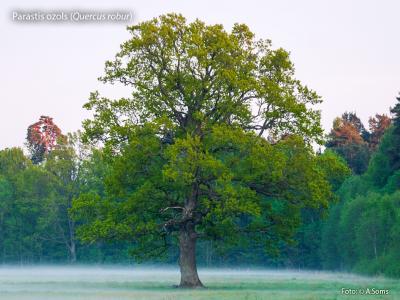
column 348, row 51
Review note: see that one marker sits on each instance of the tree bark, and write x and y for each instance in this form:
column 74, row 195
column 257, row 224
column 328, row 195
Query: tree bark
column 187, row 257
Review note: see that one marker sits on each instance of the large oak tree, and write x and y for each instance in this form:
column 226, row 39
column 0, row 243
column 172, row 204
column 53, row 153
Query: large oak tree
column 213, row 143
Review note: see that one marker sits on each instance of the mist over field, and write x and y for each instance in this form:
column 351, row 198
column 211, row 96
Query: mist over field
column 94, row 283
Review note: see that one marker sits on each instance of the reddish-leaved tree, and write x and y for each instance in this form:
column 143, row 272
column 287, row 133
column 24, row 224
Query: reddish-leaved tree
column 377, row 127
column 42, row 138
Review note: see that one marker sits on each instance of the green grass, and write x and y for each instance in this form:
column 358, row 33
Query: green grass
column 124, row 283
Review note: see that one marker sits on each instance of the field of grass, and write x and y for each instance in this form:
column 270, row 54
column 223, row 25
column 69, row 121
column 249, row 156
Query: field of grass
column 67, row 283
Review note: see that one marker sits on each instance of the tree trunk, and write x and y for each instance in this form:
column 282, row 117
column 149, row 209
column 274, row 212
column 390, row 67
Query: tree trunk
column 72, row 252
column 72, row 244
column 187, row 258
column 71, row 234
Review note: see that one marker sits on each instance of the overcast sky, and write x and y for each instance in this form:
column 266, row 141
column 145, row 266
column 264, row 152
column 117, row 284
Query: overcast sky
column 348, row 51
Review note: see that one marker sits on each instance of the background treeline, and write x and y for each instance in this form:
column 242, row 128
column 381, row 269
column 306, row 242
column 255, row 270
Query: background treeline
column 36, row 196
column 35, row 226
column 360, row 231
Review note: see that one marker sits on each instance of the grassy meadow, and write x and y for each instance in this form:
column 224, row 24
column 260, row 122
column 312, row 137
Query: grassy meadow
column 47, row 283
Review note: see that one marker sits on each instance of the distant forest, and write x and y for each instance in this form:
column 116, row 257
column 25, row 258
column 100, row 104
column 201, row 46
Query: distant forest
column 359, row 232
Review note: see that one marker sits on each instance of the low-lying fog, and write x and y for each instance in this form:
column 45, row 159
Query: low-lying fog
column 81, row 282
column 40, row 274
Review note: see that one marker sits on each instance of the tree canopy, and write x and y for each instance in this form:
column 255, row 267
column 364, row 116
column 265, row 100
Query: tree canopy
column 351, row 140
column 186, row 75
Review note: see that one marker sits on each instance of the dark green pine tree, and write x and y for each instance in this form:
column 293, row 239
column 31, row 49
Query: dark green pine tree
column 394, row 151
column 396, row 117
